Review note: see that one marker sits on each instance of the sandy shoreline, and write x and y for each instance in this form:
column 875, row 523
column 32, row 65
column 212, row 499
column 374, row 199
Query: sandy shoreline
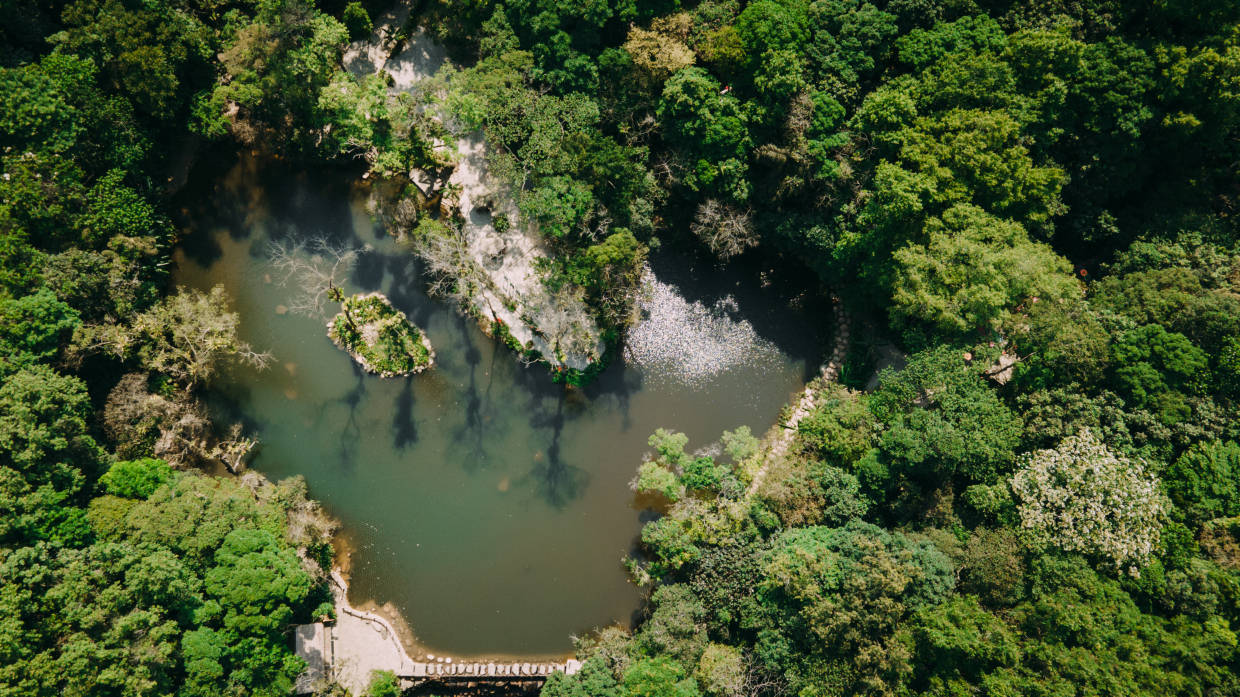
column 400, row 626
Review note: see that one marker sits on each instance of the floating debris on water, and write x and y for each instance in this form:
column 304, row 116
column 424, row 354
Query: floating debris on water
column 281, row 309
column 689, row 343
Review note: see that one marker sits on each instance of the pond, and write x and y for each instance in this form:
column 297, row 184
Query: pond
column 487, row 504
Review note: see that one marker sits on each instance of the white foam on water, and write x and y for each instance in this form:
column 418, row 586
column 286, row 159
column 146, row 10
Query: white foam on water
column 689, row 343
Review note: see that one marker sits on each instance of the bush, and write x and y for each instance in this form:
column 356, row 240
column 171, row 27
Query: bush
column 357, row 20
column 383, row 683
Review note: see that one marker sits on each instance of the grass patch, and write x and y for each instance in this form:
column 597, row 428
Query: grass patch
column 380, row 337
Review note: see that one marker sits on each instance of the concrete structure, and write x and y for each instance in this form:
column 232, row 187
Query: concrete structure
column 314, row 645
column 491, row 670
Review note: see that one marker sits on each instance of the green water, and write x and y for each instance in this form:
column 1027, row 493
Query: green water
column 488, row 504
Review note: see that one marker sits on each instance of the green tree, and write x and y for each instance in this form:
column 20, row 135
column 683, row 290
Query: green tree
column 992, row 566
column 1176, row 299
column 146, row 50
column 1204, row 482
column 815, row 494
column 973, row 272
column 593, row 680
column 944, row 420
column 658, row 677
column 559, row 204
column 676, row 628
column 256, row 582
column 33, row 328
column 1065, row 342
column 44, row 433
column 276, row 66
column 1156, row 368
column 20, row 261
column 135, row 479
column 959, row 640
column 104, row 622
column 841, row 594
column 357, row 20
column 711, row 129
column 773, row 25
column 721, row 671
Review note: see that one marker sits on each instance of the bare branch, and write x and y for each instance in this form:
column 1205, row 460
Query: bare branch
column 725, row 230
column 312, row 268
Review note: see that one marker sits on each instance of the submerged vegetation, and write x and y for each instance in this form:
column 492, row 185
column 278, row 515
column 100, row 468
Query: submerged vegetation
column 380, row 337
column 1033, row 204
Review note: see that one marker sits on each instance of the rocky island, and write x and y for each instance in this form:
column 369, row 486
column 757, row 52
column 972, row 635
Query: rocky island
column 380, row 337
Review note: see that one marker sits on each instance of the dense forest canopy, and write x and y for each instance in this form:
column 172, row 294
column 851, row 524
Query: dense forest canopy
column 1035, row 201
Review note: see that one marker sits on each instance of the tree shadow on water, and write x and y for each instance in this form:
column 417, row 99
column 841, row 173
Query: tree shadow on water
column 616, row 385
column 351, row 431
column 368, row 272
column 404, row 429
column 473, row 433
column 557, row 482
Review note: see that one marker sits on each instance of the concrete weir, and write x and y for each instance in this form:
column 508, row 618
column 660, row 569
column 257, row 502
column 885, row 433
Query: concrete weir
column 348, row 650
column 492, row 671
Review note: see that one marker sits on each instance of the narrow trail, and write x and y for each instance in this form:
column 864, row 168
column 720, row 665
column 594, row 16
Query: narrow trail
column 782, row 434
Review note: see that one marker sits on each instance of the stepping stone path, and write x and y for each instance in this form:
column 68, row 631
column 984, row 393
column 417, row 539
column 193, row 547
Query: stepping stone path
column 781, row 440
column 491, row 671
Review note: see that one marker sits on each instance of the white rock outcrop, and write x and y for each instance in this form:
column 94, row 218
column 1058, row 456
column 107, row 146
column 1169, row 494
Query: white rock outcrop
column 558, row 326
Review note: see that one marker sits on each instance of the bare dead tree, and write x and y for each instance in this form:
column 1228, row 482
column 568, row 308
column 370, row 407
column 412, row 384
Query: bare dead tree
column 175, row 429
column 315, row 268
column 563, row 318
column 725, row 230
column 188, row 336
column 235, row 450
column 454, row 272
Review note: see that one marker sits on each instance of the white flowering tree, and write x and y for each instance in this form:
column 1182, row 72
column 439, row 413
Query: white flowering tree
column 1081, row 497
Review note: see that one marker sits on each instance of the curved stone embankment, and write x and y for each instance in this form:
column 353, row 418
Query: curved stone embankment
column 492, row 670
column 348, row 650
column 782, row 435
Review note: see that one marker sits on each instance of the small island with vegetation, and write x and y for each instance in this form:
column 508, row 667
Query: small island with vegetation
column 380, row 337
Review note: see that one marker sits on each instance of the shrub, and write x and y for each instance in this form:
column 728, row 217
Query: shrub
column 357, row 21
column 135, row 479
column 383, row 683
